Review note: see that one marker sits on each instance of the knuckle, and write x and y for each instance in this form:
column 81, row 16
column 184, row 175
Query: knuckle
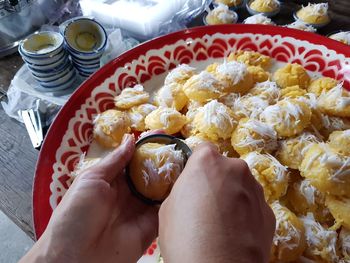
column 207, row 150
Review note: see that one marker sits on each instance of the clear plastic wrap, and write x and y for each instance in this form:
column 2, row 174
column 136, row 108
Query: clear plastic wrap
column 144, row 19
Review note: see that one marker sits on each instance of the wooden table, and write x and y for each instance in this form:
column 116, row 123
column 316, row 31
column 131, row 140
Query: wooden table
column 18, row 158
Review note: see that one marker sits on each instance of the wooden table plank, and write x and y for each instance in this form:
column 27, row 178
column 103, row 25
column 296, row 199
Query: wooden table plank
column 17, row 162
column 18, row 158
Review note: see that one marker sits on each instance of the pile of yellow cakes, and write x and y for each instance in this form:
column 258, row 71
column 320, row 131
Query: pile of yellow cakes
column 292, row 130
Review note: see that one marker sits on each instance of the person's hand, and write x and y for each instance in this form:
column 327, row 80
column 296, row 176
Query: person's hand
column 216, row 212
column 98, row 219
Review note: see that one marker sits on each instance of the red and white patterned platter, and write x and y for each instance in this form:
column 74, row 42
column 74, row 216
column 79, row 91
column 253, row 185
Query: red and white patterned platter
column 70, row 134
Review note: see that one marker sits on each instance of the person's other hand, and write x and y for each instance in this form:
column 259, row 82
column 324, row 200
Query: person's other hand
column 216, row 212
column 98, row 219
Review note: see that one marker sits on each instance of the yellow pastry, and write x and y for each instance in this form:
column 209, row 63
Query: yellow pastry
column 249, row 106
column 291, row 150
column 303, row 198
column 137, row 115
column 203, row 87
column 269, row 172
column 258, row 74
column 267, row 90
column 335, row 102
column 251, row 58
column 180, row 74
column 339, row 141
column 167, row 119
column 110, row 127
column 291, row 75
column 221, row 15
column 320, row 85
column 321, row 242
column 195, row 140
column 314, row 14
column 215, row 120
column 253, row 135
column 154, row 169
column 130, row 97
column 264, row 6
column 234, row 76
column 292, row 92
column 192, row 109
column 289, row 117
column 229, row 3
column 328, row 171
column 340, row 209
column 289, row 240
column 344, row 240
column 171, row 96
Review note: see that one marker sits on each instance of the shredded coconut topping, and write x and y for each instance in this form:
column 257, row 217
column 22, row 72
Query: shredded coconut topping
column 249, row 106
column 318, row 9
column 298, row 24
column 233, row 70
column 268, row 135
column 259, row 19
column 308, row 191
column 342, row 37
column 337, row 96
column 178, row 73
column 165, row 114
column 291, row 233
column 268, row 90
column 217, row 113
column 344, row 238
column 207, row 81
column 319, row 239
column 168, row 161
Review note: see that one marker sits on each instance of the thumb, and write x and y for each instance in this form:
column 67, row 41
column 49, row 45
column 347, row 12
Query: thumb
column 115, row 162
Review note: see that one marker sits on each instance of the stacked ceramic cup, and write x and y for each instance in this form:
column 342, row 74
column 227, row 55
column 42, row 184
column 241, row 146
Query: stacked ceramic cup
column 48, row 61
column 86, row 41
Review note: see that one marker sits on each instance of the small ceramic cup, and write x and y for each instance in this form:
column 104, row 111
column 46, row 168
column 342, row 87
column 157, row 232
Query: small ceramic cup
column 47, row 60
column 315, row 25
column 85, row 40
column 268, row 14
column 235, row 8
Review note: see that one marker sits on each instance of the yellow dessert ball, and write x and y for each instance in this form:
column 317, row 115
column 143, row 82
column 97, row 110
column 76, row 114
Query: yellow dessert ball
column 340, row 209
column 321, row 242
column 264, row 5
column 167, row 119
column 335, row 102
column 251, row 58
column 258, row 74
column 291, row 75
column 303, row 198
column 180, row 74
column 137, row 115
column 110, row 127
column 339, row 141
column 322, row 84
column 289, row 240
column 203, row 87
column 253, row 135
column 130, row 97
column 270, row 173
column 292, row 92
column 291, row 150
column 249, row 106
column 344, row 240
column 328, row 171
column 234, row 77
column 326, row 124
column 289, row 117
column 195, row 140
column 215, row 120
column 314, row 13
column 192, row 109
column 171, row 96
column 221, row 15
column 229, row 3
column 267, row 90
column 154, row 169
